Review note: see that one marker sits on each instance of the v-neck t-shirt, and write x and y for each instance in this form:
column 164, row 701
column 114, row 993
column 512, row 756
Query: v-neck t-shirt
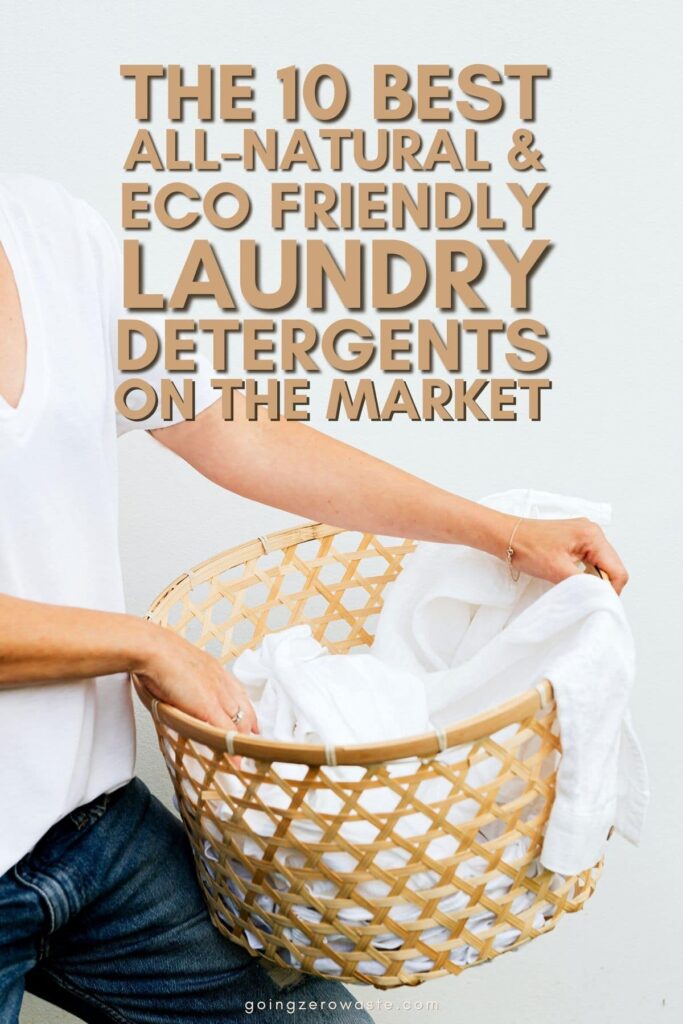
column 62, row 744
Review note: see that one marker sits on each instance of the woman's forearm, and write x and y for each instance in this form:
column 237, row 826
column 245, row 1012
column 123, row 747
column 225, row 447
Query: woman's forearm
column 293, row 467
column 296, row 468
column 47, row 643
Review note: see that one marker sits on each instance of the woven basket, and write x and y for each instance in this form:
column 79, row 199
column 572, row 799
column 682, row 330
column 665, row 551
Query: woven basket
column 419, row 860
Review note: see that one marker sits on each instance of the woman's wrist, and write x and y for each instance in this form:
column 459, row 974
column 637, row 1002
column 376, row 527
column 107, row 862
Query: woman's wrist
column 482, row 528
column 147, row 643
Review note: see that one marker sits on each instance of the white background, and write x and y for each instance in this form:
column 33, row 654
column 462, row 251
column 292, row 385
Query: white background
column 610, row 430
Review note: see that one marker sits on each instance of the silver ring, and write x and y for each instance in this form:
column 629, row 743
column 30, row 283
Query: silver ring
column 238, row 716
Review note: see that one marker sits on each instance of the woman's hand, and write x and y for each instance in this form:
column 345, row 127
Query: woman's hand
column 551, row 548
column 177, row 672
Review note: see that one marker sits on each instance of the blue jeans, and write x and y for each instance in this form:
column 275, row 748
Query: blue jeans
column 104, row 918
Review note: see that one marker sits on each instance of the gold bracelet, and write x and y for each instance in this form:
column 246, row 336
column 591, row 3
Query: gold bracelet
column 509, row 554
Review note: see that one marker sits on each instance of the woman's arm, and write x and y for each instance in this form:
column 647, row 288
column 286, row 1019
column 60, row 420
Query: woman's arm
column 49, row 643
column 294, row 467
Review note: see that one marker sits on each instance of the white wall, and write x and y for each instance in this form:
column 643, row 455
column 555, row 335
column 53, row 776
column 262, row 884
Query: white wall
column 607, row 124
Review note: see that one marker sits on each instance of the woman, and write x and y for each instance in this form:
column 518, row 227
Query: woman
column 99, row 909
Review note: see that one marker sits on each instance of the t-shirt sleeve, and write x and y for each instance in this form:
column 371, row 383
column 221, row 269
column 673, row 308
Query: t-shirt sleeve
column 109, row 261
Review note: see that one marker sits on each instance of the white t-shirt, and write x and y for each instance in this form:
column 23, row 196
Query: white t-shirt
column 62, row 744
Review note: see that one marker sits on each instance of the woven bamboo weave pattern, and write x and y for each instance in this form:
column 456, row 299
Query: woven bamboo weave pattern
column 415, row 859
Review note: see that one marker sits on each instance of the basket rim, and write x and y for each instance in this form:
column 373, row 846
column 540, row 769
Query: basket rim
column 260, row 748
column 426, row 744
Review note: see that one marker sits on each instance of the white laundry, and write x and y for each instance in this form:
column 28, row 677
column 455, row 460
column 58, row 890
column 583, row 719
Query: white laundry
column 357, row 832
column 456, row 636
column 305, row 694
column 480, row 638
column 465, row 953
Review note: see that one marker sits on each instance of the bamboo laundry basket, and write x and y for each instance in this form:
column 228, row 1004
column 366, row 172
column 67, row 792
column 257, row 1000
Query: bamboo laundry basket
column 387, row 864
